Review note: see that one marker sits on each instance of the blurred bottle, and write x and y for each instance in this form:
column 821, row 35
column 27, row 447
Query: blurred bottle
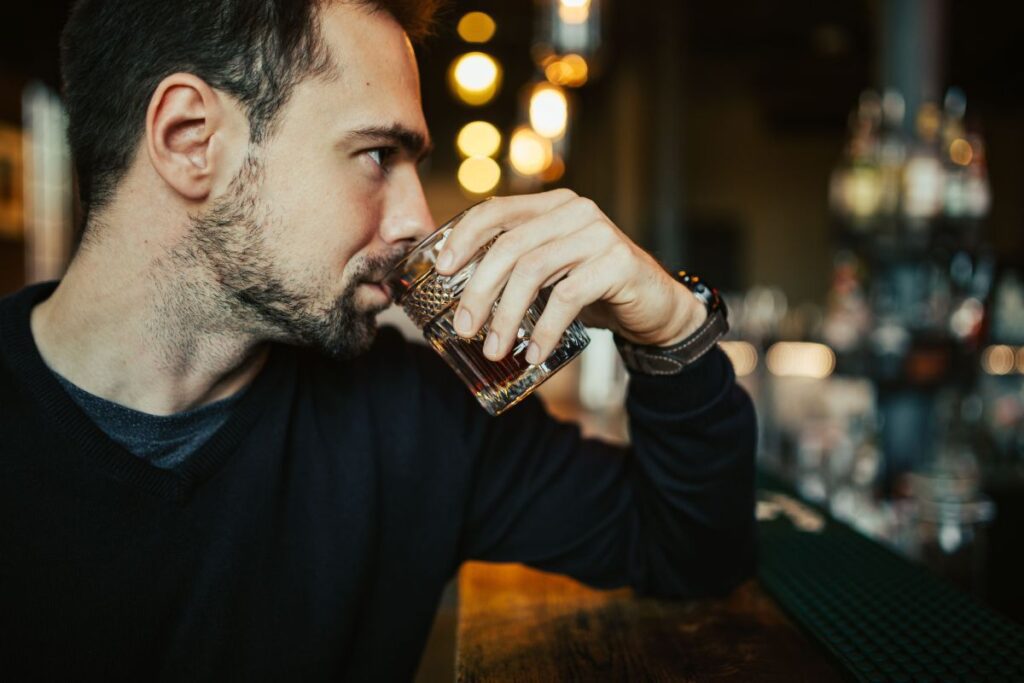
column 855, row 186
column 924, row 175
column 967, row 189
column 977, row 193
column 848, row 317
column 892, row 151
column 885, row 175
column 951, row 511
column 957, row 153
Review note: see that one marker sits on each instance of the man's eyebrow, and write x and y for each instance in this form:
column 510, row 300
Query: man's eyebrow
column 413, row 143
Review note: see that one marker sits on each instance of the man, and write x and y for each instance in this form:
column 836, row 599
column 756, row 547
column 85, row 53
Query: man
column 211, row 468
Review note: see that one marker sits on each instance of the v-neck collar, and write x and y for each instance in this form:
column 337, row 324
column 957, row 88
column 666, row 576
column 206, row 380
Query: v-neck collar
column 88, row 440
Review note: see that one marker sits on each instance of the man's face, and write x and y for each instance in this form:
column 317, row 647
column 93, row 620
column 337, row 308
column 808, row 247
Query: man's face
column 332, row 199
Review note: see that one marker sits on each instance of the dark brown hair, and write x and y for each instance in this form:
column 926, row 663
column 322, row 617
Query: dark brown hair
column 114, row 53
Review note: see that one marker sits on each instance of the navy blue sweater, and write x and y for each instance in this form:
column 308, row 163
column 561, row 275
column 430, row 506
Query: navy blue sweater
column 310, row 538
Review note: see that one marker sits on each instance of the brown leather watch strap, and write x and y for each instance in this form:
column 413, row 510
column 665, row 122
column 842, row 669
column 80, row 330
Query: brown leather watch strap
column 670, row 360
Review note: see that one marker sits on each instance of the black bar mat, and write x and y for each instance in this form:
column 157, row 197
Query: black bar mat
column 882, row 617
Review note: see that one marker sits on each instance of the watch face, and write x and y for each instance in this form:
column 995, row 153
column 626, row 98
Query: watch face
column 703, row 292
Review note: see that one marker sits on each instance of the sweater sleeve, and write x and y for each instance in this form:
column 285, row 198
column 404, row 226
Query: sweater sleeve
column 672, row 515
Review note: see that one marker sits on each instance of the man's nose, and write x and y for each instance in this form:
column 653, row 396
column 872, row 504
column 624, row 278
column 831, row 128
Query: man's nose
column 407, row 218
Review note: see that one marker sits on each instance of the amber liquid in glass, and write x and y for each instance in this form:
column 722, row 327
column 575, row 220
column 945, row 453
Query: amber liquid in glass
column 498, row 385
column 430, row 301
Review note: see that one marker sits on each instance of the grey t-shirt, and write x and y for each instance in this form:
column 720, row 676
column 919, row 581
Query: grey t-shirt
column 164, row 441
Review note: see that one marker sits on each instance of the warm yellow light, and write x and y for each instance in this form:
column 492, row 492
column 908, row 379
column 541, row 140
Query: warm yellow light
column 476, row 27
column 475, row 77
column 1020, row 360
column 960, row 152
column 529, row 153
column 570, row 70
column 476, row 71
column 997, row 360
column 549, row 110
column 800, row 359
column 743, row 356
column 574, row 11
column 554, row 171
column 862, row 191
column 479, row 175
column 478, row 139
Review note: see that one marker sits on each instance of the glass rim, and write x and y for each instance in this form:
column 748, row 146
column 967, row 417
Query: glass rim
column 450, row 223
column 407, row 274
column 424, row 243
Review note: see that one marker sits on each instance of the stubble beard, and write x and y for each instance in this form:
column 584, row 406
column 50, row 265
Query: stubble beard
column 256, row 298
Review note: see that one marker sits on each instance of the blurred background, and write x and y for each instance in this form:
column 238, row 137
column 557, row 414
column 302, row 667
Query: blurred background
column 848, row 173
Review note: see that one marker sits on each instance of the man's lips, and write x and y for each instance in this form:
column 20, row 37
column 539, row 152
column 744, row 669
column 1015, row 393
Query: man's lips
column 376, row 277
column 381, row 287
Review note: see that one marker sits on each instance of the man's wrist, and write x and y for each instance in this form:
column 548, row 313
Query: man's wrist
column 690, row 313
column 701, row 319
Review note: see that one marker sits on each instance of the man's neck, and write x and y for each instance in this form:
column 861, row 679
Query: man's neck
column 143, row 334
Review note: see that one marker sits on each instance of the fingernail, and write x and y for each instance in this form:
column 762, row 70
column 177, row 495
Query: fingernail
column 445, row 260
column 532, row 353
column 463, row 321
column 491, row 344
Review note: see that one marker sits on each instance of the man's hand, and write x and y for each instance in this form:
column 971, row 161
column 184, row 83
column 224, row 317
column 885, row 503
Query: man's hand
column 559, row 238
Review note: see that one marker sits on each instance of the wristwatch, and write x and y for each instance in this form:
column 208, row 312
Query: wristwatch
column 671, row 360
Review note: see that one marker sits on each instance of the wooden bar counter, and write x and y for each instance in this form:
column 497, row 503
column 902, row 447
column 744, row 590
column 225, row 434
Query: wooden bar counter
column 519, row 624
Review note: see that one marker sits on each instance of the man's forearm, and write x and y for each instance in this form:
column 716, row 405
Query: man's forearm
column 694, row 441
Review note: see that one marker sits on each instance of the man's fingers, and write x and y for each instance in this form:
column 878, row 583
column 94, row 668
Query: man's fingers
column 487, row 219
column 531, row 273
column 534, row 251
column 583, row 286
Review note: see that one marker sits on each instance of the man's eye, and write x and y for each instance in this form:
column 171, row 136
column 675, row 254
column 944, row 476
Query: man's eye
column 381, row 155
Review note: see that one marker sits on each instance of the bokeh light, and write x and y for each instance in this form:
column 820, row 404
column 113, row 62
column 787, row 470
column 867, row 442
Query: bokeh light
column 923, row 183
column 549, row 110
column 967, row 318
column 800, row 359
column 478, row 139
column 554, row 171
column 960, row 152
column 476, row 27
column 998, row 360
column 475, row 78
column 574, row 11
column 570, row 70
column 479, row 175
column 743, row 356
column 529, row 152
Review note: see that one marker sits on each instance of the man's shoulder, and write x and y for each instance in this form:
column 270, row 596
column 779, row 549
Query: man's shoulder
column 16, row 343
column 16, row 304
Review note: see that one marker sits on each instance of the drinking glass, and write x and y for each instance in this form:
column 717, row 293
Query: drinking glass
column 430, row 300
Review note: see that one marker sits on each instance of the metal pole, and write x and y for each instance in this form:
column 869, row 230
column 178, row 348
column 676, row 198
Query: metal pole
column 912, row 38
column 668, row 234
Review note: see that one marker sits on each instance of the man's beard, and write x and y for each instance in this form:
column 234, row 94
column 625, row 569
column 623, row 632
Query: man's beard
column 230, row 238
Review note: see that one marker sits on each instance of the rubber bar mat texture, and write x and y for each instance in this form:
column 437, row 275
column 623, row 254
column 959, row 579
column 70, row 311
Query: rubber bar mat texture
column 882, row 617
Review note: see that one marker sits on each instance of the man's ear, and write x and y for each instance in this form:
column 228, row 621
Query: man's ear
column 183, row 118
